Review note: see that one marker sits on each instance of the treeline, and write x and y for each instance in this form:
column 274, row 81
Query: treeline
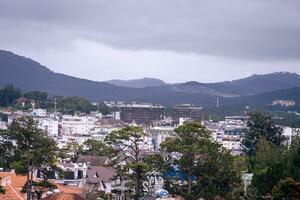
column 11, row 96
column 274, row 162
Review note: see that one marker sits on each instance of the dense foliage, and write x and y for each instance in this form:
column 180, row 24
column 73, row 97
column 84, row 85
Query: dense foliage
column 277, row 170
column 128, row 140
column 208, row 168
column 8, row 95
column 70, row 105
column 31, row 148
column 275, row 165
column 260, row 125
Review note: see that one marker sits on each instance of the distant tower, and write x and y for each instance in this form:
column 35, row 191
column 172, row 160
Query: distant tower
column 33, row 104
column 55, row 105
column 218, row 102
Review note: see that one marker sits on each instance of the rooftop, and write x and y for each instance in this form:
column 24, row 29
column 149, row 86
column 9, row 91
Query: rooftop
column 64, row 196
column 187, row 106
column 15, row 183
column 141, row 105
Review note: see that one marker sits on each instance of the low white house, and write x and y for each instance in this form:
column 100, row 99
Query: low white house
column 39, row 112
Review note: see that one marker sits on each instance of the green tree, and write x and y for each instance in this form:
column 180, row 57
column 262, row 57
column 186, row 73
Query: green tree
column 126, row 143
column 269, row 166
column 37, row 96
column 8, row 95
column 6, row 151
column 208, row 168
column 286, row 189
column 104, row 109
column 40, row 98
column 264, row 180
column 240, row 163
column 267, row 153
column 96, row 148
column 39, row 188
column 70, row 105
column 2, row 189
column 156, row 163
column 273, row 166
column 216, row 175
column 72, row 150
column 192, row 140
column 33, row 149
column 260, row 125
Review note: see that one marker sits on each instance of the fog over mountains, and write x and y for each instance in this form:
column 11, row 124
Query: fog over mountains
column 30, row 75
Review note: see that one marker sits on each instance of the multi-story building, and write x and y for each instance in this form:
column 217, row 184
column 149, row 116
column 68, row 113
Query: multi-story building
column 234, row 130
column 159, row 134
column 77, row 125
column 141, row 113
column 289, row 133
column 217, row 130
column 3, row 125
column 232, row 139
column 49, row 125
column 229, row 133
column 187, row 111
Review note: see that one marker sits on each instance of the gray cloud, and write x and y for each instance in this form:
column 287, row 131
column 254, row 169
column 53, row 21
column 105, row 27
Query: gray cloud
column 259, row 34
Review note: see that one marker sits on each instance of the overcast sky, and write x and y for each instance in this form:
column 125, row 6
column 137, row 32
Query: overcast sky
column 174, row 40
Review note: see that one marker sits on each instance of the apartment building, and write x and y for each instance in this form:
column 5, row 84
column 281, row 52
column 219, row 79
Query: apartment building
column 141, row 113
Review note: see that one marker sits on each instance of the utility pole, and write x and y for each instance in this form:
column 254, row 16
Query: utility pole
column 55, row 104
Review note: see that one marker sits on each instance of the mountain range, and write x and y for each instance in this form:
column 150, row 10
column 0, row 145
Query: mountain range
column 30, row 75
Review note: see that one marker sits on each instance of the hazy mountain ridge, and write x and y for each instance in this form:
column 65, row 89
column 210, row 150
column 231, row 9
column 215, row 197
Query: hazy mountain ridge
column 255, row 84
column 30, row 75
column 138, row 83
column 265, row 100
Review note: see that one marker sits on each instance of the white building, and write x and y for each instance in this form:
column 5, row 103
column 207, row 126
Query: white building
column 99, row 133
column 3, row 125
column 39, row 112
column 117, row 115
column 77, row 125
column 217, row 130
column 289, row 134
column 233, row 134
column 159, row 134
column 229, row 133
column 50, row 126
column 284, row 103
column 75, row 174
column 76, row 138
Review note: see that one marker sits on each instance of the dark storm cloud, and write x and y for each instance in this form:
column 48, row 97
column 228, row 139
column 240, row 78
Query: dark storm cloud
column 256, row 30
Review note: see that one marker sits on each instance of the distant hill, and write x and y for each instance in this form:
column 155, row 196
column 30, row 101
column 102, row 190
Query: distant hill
column 265, row 100
column 138, row 83
column 30, row 75
column 255, row 84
